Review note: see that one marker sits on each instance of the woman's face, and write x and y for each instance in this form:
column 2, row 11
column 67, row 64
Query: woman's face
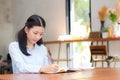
column 34, row 34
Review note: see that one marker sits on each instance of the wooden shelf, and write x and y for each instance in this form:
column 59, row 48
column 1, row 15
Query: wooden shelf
column 56, row 60
column 80, row 40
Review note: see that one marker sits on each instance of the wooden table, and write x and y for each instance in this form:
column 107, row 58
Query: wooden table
column 95, row 74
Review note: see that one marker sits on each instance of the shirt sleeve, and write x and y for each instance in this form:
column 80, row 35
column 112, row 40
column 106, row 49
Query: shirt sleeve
column 19, row 62
column 46, row 60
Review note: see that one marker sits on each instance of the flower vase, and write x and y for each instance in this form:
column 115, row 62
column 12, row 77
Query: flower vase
column 102, row 26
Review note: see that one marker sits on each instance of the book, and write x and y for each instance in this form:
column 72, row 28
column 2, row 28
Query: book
column 63, row 70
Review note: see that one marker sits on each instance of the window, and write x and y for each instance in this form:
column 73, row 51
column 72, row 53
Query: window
column 78, row 19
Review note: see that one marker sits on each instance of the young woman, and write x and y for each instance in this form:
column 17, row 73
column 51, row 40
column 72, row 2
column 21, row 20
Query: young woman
column 28, row 54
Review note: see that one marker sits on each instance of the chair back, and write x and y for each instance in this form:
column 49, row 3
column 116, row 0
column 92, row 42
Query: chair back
column 94, row 35
column 98, row 50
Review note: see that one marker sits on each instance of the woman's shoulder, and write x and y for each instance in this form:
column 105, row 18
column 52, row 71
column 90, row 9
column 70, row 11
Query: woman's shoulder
column 15, row 43
column 42, row 45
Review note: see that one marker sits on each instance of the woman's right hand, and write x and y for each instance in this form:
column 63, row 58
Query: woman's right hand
column 49, row 68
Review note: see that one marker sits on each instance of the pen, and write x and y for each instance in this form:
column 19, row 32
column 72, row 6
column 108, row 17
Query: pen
column 50, row 60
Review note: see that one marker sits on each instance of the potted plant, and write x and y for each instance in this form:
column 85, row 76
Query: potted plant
column 104, row 32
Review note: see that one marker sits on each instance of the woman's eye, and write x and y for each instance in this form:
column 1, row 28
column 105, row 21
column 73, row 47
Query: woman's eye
column 41, row 34
column 35, row 33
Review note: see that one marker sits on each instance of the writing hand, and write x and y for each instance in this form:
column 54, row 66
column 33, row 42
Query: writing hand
column 50, row 68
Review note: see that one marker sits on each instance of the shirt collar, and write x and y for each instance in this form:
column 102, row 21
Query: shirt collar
column 32, row 49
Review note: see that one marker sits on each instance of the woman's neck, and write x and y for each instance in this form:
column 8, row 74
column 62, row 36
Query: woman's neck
column 30, row 46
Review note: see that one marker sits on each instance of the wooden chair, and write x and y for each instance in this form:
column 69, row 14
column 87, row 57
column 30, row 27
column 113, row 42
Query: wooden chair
column 7, row 66
column 99, row 51
column 95, row 34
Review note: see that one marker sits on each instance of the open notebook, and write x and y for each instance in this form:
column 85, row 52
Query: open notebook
column 63, row 70
column 67, row 70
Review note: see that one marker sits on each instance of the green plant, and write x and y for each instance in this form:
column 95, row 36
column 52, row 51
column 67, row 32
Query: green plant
column 112, row 16
column 105, row 29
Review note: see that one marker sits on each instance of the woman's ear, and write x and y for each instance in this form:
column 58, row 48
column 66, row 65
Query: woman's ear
column 26, row 30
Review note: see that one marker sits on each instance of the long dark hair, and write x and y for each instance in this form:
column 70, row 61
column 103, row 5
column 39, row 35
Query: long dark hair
column 33, row 20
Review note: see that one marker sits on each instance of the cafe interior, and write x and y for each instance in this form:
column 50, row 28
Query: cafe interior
column 82, row 34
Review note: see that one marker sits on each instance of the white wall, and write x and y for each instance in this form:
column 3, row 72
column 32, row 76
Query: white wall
column 52, row 10
column 6, row 26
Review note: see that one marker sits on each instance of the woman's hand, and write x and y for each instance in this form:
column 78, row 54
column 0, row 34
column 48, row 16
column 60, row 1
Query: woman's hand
column 49, row 68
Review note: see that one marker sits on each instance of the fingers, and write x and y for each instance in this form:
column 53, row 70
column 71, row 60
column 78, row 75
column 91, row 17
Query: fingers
column 50, row 68
column 55, row 67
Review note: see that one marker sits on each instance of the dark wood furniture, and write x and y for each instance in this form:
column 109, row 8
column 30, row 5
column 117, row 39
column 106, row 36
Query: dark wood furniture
column 1, row 65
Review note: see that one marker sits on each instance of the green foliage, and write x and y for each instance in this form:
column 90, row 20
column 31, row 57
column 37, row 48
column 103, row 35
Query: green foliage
column 105, row 29
column 82, row 10
column 79, row 47
column 113, row 17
